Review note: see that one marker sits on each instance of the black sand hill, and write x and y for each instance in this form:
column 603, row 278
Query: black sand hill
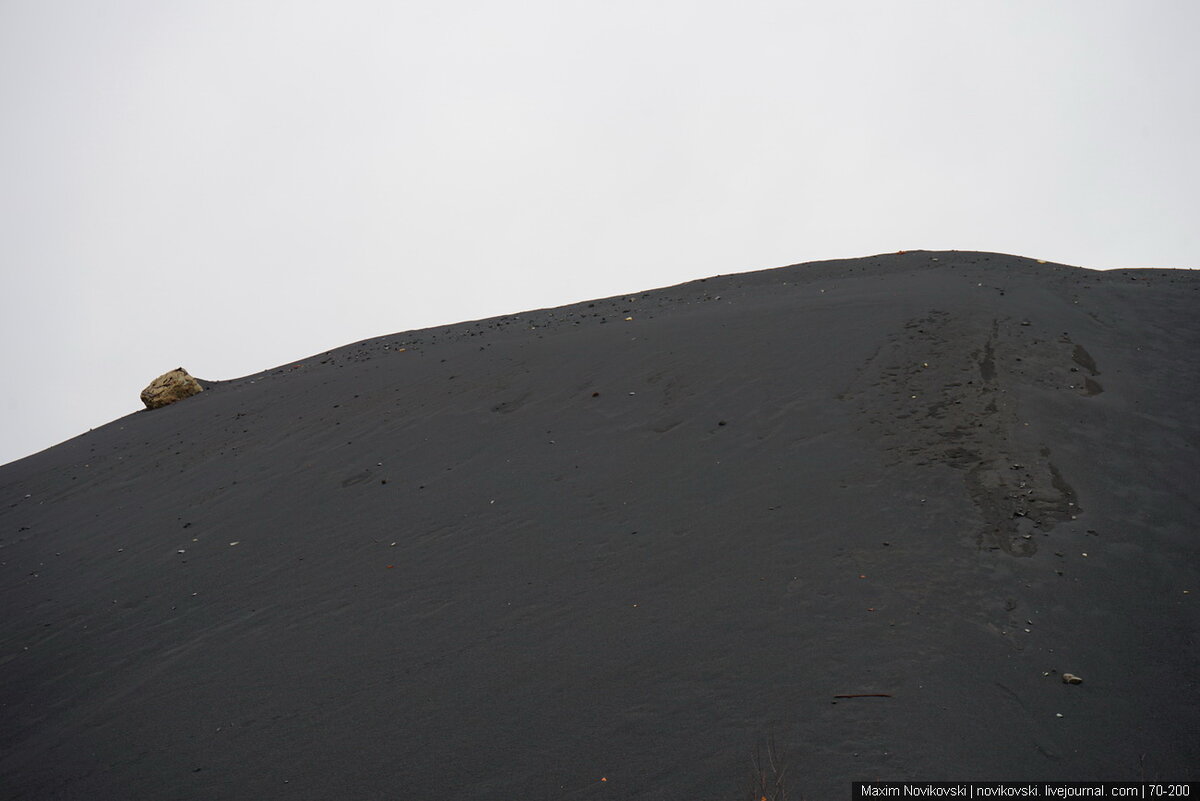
column 602, row 551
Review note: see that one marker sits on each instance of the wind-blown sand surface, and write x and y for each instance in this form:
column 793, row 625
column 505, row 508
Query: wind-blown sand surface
column 602, row 551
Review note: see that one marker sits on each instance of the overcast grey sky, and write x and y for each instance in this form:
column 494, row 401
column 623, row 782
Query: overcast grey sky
column 228, row 186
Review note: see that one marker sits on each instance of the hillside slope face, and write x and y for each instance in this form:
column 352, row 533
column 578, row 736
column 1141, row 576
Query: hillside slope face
column 602, row 551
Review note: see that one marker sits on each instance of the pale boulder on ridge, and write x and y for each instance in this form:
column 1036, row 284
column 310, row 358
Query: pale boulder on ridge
column 169, row 388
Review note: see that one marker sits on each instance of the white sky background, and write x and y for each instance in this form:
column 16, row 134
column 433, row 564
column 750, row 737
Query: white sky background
column 229, row 186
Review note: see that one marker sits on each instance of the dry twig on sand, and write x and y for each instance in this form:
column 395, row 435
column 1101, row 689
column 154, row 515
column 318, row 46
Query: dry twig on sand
column 768, row 772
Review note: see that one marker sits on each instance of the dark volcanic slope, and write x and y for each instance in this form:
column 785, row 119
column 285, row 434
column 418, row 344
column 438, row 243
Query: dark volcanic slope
column 602, row 551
